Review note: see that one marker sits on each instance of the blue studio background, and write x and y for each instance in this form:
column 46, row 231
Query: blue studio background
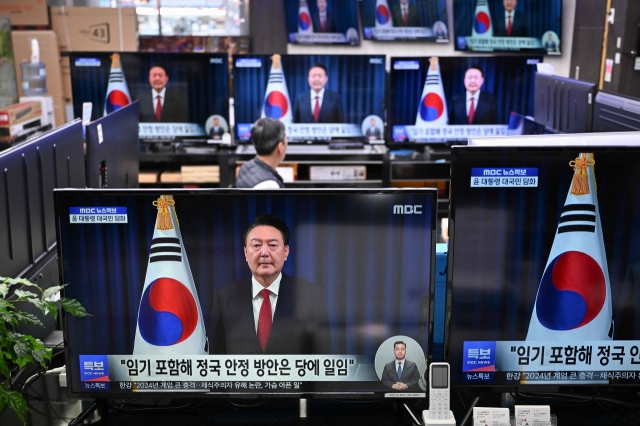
column 430, row 11
column 360, row 80
column 503, row 236
column 542, row 15
column 510, row 79
column 375, row 266
column 205, row 83
column 343, row 12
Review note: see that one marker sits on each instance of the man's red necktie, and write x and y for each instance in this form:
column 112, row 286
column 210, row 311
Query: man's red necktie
column 316, row 110
column 264, row 319
column 472, row 111
column 405, row 18
column 324, row 25
column 509, row 25
column 158, row 109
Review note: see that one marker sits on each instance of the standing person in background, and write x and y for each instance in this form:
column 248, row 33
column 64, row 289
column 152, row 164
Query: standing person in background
column 269, row 138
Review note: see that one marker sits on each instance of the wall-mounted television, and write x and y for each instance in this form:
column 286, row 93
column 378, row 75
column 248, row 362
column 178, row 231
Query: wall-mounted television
column 322, row 21
column 318, row 97
column 181, row 95
column 508, row 25
column 175, row 282
column 392, row 20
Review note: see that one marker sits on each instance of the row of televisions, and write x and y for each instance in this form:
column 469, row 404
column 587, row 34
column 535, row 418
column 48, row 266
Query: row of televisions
column 424, row 100
column 543, row 262
column 478, row 25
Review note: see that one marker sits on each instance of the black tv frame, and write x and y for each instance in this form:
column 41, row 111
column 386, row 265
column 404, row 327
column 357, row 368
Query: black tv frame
column 616, row 113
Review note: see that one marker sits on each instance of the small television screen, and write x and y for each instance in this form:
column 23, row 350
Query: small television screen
column 318, row 97
column 181, row 95
column 544, row 266
column 404, row 20
column 508, row 25
column 445, row 99
column 217, row 292
column 322, row 21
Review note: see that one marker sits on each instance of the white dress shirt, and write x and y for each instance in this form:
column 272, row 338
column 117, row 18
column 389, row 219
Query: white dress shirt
column 256, row 288
column 476, row 96
column 506, row 19
column 323, row 18
column 404, row 10
column 313, row 99
column 155, row 95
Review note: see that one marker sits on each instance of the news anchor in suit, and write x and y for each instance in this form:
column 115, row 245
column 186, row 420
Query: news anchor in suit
column 172, row 104
column 517, row 19
column 400, row 374
column 474, row 106
column 318, row 105
column 373, row 132
column 405, row 14
column 323, row 22
column 217, row 130
column 269, row 313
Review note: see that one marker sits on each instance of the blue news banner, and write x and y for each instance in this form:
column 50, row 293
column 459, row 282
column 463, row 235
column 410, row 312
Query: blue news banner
column 504, row 177
column 86, row 215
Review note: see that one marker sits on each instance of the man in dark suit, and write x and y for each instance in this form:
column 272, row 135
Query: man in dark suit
column 405, row 14
column 474, row 106
column 373, row 132
column 160, row 104
column 318, row 105
column 550, row 45
column 216, row 131
column 271, row 313
column 400, row 374
column 323, row 22
column 513, row 23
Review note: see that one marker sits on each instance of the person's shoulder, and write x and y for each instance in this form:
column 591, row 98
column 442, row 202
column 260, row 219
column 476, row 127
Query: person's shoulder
column 488, row 96
column 410, row 363
column 232, row 287
column 460, row 96
column 300, row 284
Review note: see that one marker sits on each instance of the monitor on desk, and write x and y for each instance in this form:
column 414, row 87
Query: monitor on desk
column 182, row 96
column 174, row 283
column 430, row 99
column 319, row 97
column 544, row 267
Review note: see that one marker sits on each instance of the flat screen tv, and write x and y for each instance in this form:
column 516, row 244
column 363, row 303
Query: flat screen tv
column 508, row 25
column 322, row 21
column 430, row 98
column 404, row 20
column 181, row 95
column 543, row 267
column 175, row 282
column 318, row 97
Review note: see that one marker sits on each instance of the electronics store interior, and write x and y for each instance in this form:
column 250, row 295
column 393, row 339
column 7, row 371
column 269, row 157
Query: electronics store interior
column 409, row 142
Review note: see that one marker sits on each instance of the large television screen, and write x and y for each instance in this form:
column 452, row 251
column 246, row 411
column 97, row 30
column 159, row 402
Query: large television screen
column 318, row 97
column 404, row 20
column 322, row 21
column 181, row 95
column 175, row 283
column 544, row 266
column 508, row 25
column 431, row 99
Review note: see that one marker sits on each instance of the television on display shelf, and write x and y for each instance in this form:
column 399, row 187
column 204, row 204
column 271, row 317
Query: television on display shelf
column 508, row 25
column 404, row 20
column 544, row 266
column 181, row 96
column 447, row 99
column 176, row 284
column 322, row 21
column 318, row 97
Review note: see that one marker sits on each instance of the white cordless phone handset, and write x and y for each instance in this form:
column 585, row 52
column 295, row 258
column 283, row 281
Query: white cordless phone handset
column 439, row 394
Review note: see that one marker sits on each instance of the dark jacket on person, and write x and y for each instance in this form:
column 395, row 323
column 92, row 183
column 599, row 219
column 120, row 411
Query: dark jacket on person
column 256, row 171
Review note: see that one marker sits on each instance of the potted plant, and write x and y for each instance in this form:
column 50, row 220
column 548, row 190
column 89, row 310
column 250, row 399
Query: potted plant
column 16, row 349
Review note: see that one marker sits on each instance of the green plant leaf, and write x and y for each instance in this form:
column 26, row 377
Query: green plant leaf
column 15, row 401
column 18, row 281
column 51, row 291
column 9, row 317
column 24, row 295
column 27, row 318
column 22, row 349
column 4, row 368
column 40, row 356
column 74, row 307
column 46, row 307
column 4, row 289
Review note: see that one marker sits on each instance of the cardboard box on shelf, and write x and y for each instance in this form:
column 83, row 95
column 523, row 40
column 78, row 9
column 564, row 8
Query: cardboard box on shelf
column 25, row 12
column 93, row 29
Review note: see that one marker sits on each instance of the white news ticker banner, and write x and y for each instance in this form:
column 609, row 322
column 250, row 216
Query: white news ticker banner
column 598, row 355
column 328, row 131
column 169, row 130
column 454, row 131
column 480, row 43
column 407, row 32
column 304, row 368
column 320, row 38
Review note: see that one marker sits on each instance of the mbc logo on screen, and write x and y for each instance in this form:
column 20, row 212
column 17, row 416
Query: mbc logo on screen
column 407, row 209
